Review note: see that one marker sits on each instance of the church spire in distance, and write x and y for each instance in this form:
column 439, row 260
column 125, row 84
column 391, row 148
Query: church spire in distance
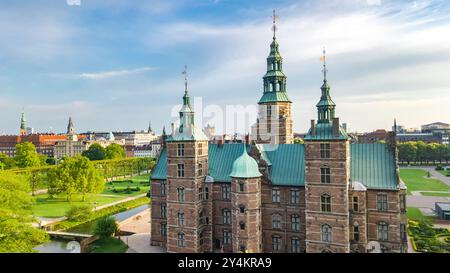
column 23, row 127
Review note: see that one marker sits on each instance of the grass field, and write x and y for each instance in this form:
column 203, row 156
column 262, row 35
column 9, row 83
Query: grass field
column 440, row 194
column 58, row 206
column 416, row 180
column 108, row 245
column 416, row 214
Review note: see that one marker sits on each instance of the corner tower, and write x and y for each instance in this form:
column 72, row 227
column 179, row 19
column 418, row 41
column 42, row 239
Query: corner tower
column 327, row 172
column 274, row 124
column 188, row 225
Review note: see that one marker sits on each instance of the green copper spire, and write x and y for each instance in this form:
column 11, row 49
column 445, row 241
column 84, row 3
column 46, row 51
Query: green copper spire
column 70, row 128
column 274, row 79
column 245, row 166
column 23, row 122
column 326, row 106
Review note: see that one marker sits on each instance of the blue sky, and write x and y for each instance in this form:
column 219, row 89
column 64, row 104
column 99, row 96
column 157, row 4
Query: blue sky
column 116, row 65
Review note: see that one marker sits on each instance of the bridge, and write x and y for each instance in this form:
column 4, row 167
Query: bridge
column 68, row 235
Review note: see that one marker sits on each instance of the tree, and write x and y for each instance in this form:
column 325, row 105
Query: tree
column 421, row 151
column 106, row 227
column 114, row 151
column 26, row 155
column 75, row 175
column 16, row 232
column 298, row 141
column 407, row 151
column 6, row 162
column 95, row 152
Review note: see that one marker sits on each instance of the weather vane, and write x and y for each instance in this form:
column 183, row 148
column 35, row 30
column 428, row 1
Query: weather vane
column 274, row 18
column 323, row 59
column 185, row 78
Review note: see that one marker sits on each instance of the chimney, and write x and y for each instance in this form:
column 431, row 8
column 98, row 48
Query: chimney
column 221, row 140
column 313, row 127
column 335, row 126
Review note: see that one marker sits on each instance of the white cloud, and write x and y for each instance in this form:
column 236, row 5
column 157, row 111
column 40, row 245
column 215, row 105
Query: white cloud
column 104, row 74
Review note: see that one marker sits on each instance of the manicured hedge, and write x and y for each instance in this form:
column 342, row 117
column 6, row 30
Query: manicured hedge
column 425, row 238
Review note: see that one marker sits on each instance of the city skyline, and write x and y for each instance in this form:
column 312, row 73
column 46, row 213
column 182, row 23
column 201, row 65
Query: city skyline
column 121, row 63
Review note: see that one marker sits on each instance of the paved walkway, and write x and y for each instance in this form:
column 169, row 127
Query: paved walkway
column 120, row 201
column 139, row 223
column 140, row 243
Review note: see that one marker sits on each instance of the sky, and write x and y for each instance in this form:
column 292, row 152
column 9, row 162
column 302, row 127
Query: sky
column 116, row 65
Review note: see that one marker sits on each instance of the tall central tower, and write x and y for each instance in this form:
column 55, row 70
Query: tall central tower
column 327, row 173
column 274, row 124
column 188, row 225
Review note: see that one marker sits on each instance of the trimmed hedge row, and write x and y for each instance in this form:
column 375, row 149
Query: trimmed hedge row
column 425, row 238
column 66, row 224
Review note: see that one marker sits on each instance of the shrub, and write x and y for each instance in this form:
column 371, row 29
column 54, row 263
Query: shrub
column 439, row 167
column 106, row 227
column 79, row 212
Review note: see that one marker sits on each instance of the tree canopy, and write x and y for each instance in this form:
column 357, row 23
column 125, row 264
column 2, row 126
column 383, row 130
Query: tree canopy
column 95, row 152
column 75, row 175
column 26, row 155
column 419, row 151
column 16, row 231
column 114, row 151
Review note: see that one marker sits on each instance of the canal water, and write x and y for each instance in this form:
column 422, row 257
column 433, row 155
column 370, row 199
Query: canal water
column 66, row 246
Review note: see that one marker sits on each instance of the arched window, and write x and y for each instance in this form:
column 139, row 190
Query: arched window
column 355, row 232
column 181, row 239
column 180, row 194
column 180, row 217
column 326, row 233
column 295, row 222
column 226, row 216
column 383, row 231
column 242, row 209
column 276, row 221
column 325, row 203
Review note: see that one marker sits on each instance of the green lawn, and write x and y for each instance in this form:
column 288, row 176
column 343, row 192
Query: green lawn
column 141, row 181
column 57, row 207
column 109, row 245
column 416, row 180
column 440, row 194
column 416, row 214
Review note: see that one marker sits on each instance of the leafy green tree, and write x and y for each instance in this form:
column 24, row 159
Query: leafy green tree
column 421, row 154
column 79, row 212
column 26, row 155
column 95, row 152
column 114, row 151
column 298, row 141
column 16, row 231
column 106, row 227
column 75, row 175
column 407, row 151
column 6, row 162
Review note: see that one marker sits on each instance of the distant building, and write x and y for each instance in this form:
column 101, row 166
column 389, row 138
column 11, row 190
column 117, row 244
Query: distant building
column 374, row 137
column 443, row 210
column 151, row 150
column 437, row 132
column 71, row 146
column 210, row 131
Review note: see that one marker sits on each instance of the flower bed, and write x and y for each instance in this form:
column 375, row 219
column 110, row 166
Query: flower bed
column 425, row 238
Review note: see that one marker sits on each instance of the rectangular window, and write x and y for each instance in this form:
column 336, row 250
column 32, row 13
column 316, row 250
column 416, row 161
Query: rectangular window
column 355, row 203
column 325, row 175
column 226, row 217
column 325, row 151
column 356, row 233
column 276, row 198
column 382, row 201
column 200, row 193
column 163, row 210
column 383, row 230
column 200, row 149
column 241, row 187
column 226, row 192
column 402, row 203
column 180, row 149
column 403, row 232
column 276, row 243
column 180, row 170
column 200, row 169
column 295, row 245
column 163, row 188
column 295, row 223
column 295, row 196
column 163, row 229
column 269, row 111
column 226, row 237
